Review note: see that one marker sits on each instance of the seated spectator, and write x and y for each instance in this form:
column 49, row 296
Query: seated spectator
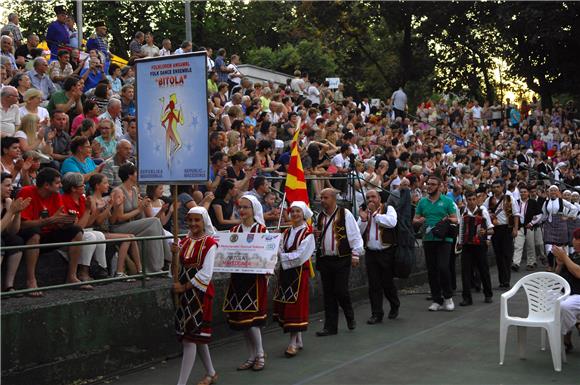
column 113, row 114
column 92, row 75
column 128, row 251
column 23, row 53
column 32, row 101
column 114, row 78
column 32, row 161
column 212, row 85
column 101, row 97
column 81, row 161
column 11, row 159
column 57, row 136
column 111, row 166
column 106, row 139
column 31, row 136
column 131, row 135
column 68, row 100
column 91, row 111
column 10, row 227
column 60, row 69
column 159, row 208
column 21, row 81
column 269, row 208
column 40, row 79
column 221, row 210
column 6, row 44
column 10, row 117
column 188, row 198
column 128, row 217
column 77, row 204
column 46, row 221
column 128, row 100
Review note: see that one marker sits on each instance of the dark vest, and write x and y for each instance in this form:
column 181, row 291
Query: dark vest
column 471, row 227
column 388, row 236
column 340, row 237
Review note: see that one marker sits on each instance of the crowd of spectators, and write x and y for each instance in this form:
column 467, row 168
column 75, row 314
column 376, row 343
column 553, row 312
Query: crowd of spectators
column 69, row 142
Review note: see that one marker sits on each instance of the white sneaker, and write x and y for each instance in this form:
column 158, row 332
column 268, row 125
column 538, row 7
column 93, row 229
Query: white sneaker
column 448, row 304
column 435, row 307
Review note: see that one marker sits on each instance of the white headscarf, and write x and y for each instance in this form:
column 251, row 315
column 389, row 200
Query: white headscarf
column 207, row 225
column 256, row 208
column 305, row 209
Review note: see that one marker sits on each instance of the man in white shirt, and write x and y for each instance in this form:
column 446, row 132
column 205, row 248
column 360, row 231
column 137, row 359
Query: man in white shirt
column 476, row 114
column 113, row 114
column 340, row 161
column 166, row 50
column 10, row 117
column 234, row 77
column 399, row 101
column 149, row 49
column 341, row 245
column 314, row 92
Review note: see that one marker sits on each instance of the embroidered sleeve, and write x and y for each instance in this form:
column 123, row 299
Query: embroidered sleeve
column 295, row 258
column 203, row 277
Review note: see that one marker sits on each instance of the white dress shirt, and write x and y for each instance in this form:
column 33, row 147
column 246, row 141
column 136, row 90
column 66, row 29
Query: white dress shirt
column 500, row 213
column 329, row 246
column 376, row 220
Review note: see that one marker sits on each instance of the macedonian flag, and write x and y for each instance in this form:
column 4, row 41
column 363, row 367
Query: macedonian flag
column 295, row 188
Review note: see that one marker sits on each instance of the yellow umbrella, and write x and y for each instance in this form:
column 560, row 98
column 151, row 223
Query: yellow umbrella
column 114, row 58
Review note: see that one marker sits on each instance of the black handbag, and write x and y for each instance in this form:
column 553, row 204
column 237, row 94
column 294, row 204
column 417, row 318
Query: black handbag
column 445, row 229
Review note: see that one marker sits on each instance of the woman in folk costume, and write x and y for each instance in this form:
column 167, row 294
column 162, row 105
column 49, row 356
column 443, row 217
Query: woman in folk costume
column 291, row 298
column 195, row 293
column 555, row 213
column 246, row 296
column 574, row 223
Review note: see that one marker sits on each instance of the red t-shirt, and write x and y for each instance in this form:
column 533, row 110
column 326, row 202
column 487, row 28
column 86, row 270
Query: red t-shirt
column 38, row 204
column 70, row 204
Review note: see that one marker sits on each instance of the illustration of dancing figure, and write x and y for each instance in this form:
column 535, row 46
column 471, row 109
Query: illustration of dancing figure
column 170, row 118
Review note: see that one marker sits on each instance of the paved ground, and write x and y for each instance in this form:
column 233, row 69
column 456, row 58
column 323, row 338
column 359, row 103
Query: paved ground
column 420, row 347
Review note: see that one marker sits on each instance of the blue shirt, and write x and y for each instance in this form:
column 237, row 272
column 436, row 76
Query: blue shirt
column 42, row 83
column 57, row 36
column 92, row 80
column 72, row 164
column 116, row 84
column 219, row 63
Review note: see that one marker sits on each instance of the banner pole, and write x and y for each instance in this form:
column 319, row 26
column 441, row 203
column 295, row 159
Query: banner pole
column 175, row 256
column 281, row 210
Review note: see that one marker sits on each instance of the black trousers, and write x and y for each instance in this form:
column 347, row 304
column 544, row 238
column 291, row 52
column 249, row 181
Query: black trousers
column 471, row 256
column 379, row 265
column 335, row 273
column 452, row 272
column 437, row 259
column 503, row 248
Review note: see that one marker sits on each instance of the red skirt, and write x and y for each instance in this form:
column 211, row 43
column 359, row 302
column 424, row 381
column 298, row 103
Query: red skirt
column 193, row 322
column 291, row 308
column 245, row 301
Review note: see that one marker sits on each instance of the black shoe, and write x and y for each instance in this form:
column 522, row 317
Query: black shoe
column 351, row 324
column 324, row 333
column 374, row 320
column 100, row 273
column 488, row 300
column 394, row 313
column 466, row 303
column 516, row 268
column 430, row 298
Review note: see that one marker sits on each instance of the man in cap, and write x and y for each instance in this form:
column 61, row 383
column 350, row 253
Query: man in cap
column 57, row 34
column 98, row 41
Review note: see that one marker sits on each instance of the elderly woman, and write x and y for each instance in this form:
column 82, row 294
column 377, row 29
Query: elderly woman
column 32, row 101
column 81, row 161
column 76, row 203
column 291, row 296
column 247, row 294
column 128, row 217
column 21, row 81
column 195, row 292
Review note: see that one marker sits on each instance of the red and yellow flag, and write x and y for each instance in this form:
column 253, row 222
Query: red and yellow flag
column 295, row 187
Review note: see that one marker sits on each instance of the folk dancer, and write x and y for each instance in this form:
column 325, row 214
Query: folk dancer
column 504, row 213
column 530, row 215
column 474, row 228
column 246, row 296
column 555, row 213
column 340, row 249
column 195, row 293
column 377, row 227
column 291, row 297
column 574, row 223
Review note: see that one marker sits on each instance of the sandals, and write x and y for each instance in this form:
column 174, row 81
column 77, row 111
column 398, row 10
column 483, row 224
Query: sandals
column 259, row 363
column 291, row 351
column 208, row 380
column 249, row 364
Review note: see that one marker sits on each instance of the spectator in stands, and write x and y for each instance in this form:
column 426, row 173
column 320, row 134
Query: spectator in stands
column 149, row 49
column 76, row 203
column 40, row 79
column 68, row 100
column 10, row 227
column 166, row 48
column 81, row 161
column 127, row 75
column 98, row 41
column 114, row 78
column 7, row 51
column 136, row 45
column 113, row 114
column 23, row 53
column 128, row 100
column 185, row 47
column 57, row 35
column 10, row 117
column 128, row 217
column 212, row 85
column 131, row 135
column 92, row 75
column 101, row 96
column 221, row 67
column 111, row 166
column 21, row 81
column 90, row 111
column 13, row 28
column 58, row 137
column 60, row 69
column 221, row 211
column 106, row 139
column 46, row 221
column 31, row 136
column 32, row 101
column 11, row 159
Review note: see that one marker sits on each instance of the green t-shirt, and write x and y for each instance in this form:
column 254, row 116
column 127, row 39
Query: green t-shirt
column 58, row 97
column 433, row 213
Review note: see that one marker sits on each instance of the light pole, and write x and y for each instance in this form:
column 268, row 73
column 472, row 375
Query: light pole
column 80, row 23
column 188, row 20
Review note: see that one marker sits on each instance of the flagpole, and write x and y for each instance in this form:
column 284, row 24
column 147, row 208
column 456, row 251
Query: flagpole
column 281, row 210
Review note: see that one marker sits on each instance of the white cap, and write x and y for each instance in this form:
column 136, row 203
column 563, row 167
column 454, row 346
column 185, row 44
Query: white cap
column 207, row 225
column 305, row 209
column 256, row 208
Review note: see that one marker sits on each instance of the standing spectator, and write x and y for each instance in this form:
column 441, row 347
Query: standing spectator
column 166, row 48
column 68, row 100
column 80, row 161
column 92, row 75
column 60, row 69
column 430, row 211
column 149, row 49
column 10, row 117
column 14, row 28
column 221, row 67
column 111, row 165
column 46, row 221
column 98, row 41
column 399, row 100
column 40, row 79
column 210, row 64
column 313, row 93
column 235, row 76
column 113, row 114
column 185, row 47
column 136, row 46
column 23, row 53
column 339, row 94
column 6, row 46
column 57, row 35
column 73, row 34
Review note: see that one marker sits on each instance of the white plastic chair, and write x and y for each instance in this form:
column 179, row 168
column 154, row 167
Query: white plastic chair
column 545, row 291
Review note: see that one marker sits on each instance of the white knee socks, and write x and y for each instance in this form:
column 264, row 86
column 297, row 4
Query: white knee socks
column 256, row 336
column 206, row 359
column 187, row 362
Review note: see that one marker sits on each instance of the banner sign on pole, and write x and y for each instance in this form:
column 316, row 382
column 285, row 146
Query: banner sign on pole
column 246, row 252
column 172, row 123
column 333, row 83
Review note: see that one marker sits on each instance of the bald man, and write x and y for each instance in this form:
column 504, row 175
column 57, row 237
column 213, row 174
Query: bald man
column 340, row 247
